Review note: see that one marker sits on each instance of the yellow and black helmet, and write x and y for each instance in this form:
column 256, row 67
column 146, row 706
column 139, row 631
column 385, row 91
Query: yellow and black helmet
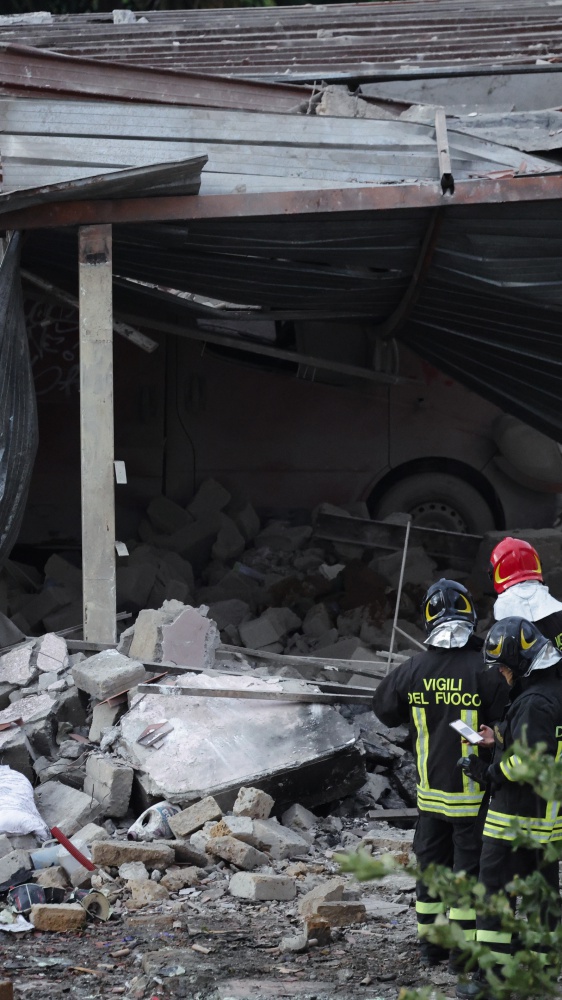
column 515, row 643
column 447, row 601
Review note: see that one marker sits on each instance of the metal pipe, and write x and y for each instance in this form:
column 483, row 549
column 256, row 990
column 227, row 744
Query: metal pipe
column 399, row 593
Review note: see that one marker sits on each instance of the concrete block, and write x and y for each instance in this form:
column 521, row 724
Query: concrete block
column 326, row 892
column 299, row 819
column 69, row 708
column 166, row 517
column 31, row 709
column 41, row 735
column 110, row 782
column 317, row 621
column 350, row 648
column 420, row 568
column 255, row 887
column 51, row 654
column 61, row 917
column 186, row 853
column 236, row 853
column 192, row 639
column 374, row 789
column 145, row 892
column 171, row 566
column 247, row 522
column 107, row 673
column 65, row 807
column 103, row 717
column 241, row 827
column 117, row 852
column 178, row 878
column 134, row 584
column 195, row 541
column 229, row 543
column 211, row 496
column 14, row 862
column 253, row 802
column 5, row 691
column 54, row 877
column 64, row 617
column 194, row 817
column 340, row 914
column 279, row 841
column 17, row 667
column 229, row 613
column 42, row 606
column 146, row 643
column 258, row 633
column 15, row 751
column 133, row 871
column 59, row 570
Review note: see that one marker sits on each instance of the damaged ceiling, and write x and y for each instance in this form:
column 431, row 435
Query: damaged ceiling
column 445, row 236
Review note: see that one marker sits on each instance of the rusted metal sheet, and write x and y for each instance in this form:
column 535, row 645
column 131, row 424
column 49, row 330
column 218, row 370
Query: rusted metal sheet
column 487, row 190
column 183, row 177
column 24, row 69
column 408, row 38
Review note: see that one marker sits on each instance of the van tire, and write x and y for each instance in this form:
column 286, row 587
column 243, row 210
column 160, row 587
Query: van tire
column 438, row 500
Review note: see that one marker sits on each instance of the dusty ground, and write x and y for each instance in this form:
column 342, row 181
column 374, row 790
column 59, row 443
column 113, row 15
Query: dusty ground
column 208, row 946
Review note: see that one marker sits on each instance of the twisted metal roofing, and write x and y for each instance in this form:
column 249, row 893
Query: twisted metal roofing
column 363, row 41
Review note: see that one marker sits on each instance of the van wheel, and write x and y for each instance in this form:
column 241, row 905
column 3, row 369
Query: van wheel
column 437, row 500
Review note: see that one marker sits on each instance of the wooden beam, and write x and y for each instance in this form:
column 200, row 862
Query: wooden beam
column 96, row 433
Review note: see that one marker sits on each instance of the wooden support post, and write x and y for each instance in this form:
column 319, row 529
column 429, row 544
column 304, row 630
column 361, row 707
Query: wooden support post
column 96, row 433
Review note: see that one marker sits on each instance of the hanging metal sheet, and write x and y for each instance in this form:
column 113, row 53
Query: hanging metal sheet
column 18, row 416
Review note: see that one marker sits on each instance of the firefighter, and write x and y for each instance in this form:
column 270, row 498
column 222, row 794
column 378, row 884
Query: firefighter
column 532, row 669
column 515, row 570
column 432, row 689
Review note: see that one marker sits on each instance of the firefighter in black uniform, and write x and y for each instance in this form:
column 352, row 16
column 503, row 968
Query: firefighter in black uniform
column 429, row 691
column 516, row 572
column 532, row 668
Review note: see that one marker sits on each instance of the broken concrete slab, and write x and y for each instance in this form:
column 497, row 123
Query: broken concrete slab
column 51, row 653
column 191, row 639
column 279, row 841
column 257, row 887
column 17, row 667
column 108, row 673
column 325, row 892
column 166, row 516
column 13, row 862
column 236, row 852
column 194, row 817
column 211, row 496
column 103, row 717
column 110, row 782
column 117, row 852
column 62, row 917
column 244, row 743
column 253, row 802
column 65, row 807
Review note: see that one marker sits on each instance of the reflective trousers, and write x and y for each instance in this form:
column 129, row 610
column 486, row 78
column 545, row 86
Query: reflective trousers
column 498, row 865
column 456, row 844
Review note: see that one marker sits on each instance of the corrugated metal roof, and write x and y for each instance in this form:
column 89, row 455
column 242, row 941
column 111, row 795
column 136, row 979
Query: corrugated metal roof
column 157, row 179
column 47, row 141
column 372, row 40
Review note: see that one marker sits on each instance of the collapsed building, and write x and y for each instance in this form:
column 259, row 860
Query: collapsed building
column 188, row 685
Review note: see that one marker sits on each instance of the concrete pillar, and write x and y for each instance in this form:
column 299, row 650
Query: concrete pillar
column 96, row 432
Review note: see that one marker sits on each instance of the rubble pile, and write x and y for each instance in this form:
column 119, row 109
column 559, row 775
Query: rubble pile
column 269, row 586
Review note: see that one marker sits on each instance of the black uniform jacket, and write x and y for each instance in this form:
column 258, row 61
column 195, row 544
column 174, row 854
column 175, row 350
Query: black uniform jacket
column 551, row 627
column 429, row 691
column 533, row 715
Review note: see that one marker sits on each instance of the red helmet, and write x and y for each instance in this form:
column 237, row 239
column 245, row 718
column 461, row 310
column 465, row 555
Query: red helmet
column 513, row 561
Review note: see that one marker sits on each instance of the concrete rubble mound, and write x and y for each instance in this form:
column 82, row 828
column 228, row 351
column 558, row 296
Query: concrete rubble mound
column 213, row 763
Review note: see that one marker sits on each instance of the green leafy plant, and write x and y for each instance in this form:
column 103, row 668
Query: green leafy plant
column 526, row 973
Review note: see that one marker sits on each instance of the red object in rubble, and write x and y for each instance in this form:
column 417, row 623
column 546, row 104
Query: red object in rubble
column 66, row 843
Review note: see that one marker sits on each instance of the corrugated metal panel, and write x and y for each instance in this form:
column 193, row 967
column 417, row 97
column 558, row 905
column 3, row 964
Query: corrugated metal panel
column 313, row 42
column 183, row 177
column 25, row 70
column 47, row 141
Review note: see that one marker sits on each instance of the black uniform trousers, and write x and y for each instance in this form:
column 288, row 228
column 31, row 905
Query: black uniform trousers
column 456, row 844
column 499, row 864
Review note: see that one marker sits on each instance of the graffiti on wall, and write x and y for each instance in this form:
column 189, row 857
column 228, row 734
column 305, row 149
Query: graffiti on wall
column 52, row 329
